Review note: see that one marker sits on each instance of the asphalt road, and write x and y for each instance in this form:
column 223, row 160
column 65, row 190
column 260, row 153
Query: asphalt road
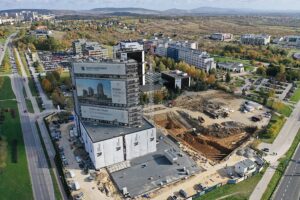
column 289, row 187
column 38, row 167
column 280, row 146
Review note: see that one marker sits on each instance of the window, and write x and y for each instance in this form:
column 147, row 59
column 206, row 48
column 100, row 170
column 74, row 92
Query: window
column 99, row 154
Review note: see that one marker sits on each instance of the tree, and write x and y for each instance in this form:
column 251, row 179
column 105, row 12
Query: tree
column 46, row 84
column 36, row 64
column 158, row 97
column 162, row 67
column 228, row 77
column 211, row 79
column 58, row 98
column 261, row 70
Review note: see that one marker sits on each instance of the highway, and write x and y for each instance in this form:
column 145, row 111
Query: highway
column 41, row 181
column 289, row 187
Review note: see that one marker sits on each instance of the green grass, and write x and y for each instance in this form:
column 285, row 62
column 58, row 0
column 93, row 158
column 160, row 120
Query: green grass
column 14, row 180
column 55, row 184
column 273, row 129
column 5, row 65
column 17, row 63
column 283, row 109
column 238, row 191
column 23, row 60
column 5, row 88
column 296, row 96
column 29, row 106
column 283, row 162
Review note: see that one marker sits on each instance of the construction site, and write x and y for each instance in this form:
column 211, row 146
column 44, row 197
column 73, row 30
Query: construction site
column 203, row 123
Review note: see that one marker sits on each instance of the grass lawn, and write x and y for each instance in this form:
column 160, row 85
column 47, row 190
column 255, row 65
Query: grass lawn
column 14, row 179
column 5, row 65
column 29, row 106
column 273, row 129
column 296, row 96
column 281, row 168
column 5, row 88
column 238, row 191
column 23, row 59
column 283, row 109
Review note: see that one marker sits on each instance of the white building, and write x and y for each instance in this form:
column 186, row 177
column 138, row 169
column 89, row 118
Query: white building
column 291, row 40
column 108, row 115
column 221, row 36
column 252, row 39
column 245, row 167
column 108, row 145
column 232, row 67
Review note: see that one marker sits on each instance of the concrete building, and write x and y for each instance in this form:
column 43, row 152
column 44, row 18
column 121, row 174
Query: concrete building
column 93, row 49
column 41, row 33
column 132, row 50
column 187, row 52
column 222, row 36
column 176, row 79
column 108, row 114
column 82, row 47
column 291, row 40
column 231, row 66
column 245, row 167
column 252, row 39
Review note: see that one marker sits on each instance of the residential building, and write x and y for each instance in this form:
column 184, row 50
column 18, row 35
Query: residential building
column 176, row 79
column 252, row 39
column 132, row 50
column 108, row 114
column 222, row 36
column 77, row 46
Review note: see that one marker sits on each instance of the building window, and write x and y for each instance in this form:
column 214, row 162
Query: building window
column 99, row 154
column 118, row 148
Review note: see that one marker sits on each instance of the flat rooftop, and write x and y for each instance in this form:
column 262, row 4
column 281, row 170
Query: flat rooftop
column 176, row 74
column 99, row 132
column 148, row 172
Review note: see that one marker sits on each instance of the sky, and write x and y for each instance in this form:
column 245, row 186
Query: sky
column 151, row 4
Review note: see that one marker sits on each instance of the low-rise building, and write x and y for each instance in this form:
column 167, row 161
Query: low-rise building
column 82, row 47
column 245, row 167
column 231, row 66
column 221, row 36
column 176, row 79
column 291, row 40
column 252, row 39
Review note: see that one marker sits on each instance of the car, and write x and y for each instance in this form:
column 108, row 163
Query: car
column 78, row 159
column 266, row 149
column 183, row 193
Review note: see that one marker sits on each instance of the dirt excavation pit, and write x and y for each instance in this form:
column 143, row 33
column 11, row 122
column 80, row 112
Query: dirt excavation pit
column 214, row 142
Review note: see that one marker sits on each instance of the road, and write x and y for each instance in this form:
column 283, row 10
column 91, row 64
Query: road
column 38, row 116
column 280, row 146
column 8, row 40
column 42, row 185
column 288, row 188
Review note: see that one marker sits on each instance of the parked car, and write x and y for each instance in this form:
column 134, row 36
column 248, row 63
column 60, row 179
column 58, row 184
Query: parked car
column 183, row 193
column 266, row 149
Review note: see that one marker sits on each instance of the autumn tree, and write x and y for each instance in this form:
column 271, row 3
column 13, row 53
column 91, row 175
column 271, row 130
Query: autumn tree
column 47, row 86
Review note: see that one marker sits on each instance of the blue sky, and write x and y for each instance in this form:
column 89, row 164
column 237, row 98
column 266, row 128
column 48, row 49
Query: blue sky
column 151, row 4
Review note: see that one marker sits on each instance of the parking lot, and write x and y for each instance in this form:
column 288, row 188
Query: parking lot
column 89, row 183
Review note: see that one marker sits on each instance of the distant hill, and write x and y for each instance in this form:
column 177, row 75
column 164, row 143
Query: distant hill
column 132, row 11
column 125, row 10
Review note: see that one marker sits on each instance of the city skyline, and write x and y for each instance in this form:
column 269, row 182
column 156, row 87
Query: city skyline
column 154, row 4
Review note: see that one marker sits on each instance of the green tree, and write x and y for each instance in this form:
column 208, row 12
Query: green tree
column 228, row 77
